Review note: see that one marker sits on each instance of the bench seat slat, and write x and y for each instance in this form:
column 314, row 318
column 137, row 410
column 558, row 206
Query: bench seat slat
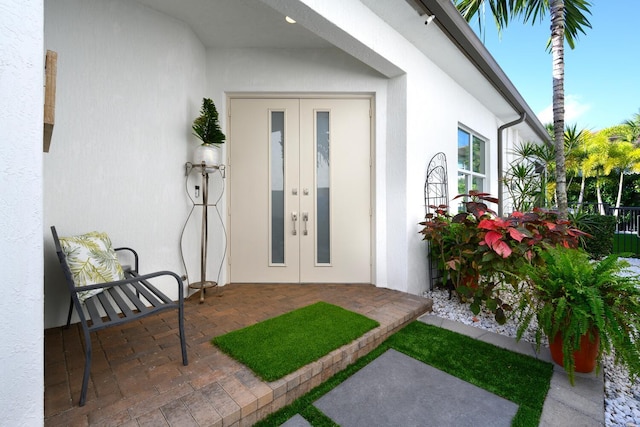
column 140, row 287
column 124, row 307
column 140, row 306
column 165, row 299
column 94, row 315
column 108, row 308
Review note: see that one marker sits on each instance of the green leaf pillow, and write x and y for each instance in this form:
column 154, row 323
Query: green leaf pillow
column 92, row 260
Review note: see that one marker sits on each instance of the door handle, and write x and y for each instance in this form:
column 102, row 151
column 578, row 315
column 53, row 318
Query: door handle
column 294, row 219
column 305, row 218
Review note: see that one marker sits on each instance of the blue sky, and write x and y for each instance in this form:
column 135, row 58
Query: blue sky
column 602, row 73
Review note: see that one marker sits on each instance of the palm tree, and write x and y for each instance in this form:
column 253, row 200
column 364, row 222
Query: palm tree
column 624, row 155
column 627, row 159
column 574, row 145
column 634, row 128
column 568, row 17
column 599, row 162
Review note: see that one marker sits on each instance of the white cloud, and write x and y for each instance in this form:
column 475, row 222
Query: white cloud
column 573, row 110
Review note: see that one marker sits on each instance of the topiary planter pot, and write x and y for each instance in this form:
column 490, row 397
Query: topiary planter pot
column 208, row 154
column 584, row 358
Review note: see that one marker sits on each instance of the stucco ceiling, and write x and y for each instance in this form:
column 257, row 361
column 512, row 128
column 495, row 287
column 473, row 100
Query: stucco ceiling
column 255, row 24
column 237, row 24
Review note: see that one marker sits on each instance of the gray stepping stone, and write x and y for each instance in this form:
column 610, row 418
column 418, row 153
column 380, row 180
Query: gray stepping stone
column 396, row 389
column 296, row 421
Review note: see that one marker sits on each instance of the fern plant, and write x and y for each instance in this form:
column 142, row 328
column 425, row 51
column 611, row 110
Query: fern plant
column 573, row 296
column 207, row 126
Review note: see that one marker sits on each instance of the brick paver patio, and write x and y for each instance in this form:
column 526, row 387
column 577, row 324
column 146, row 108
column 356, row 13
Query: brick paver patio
column 137, row 377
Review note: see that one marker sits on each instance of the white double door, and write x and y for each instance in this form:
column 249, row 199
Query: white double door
column 300, row 190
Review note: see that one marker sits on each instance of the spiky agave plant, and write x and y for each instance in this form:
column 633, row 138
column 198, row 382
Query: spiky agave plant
column 572, row 296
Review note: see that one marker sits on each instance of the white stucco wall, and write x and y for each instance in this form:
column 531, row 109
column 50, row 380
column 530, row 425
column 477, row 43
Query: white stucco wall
column 21, row 124
column 130, row 82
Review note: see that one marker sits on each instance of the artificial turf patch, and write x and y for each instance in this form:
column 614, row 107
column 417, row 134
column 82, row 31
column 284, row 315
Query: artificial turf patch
column 278, row 346
column 516, row 377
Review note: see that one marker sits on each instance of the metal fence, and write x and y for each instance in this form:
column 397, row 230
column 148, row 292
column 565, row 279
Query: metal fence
column 627, row 238
column 626, row 218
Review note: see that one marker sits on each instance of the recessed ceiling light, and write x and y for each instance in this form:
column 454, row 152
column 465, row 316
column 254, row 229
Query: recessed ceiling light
column 290, row 20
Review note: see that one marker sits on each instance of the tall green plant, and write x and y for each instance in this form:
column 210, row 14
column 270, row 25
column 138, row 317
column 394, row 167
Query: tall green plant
column 525, row 178
column 530, row 177
column 600, row 228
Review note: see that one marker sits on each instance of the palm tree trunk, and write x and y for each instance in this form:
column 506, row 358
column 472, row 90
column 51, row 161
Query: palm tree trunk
column 557, row 51
column 619, row 199
column 581, row 195
column 599, row 195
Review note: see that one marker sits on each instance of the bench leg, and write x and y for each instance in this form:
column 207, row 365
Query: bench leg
column 183, row 343
column 70, row 313
column 87, row 368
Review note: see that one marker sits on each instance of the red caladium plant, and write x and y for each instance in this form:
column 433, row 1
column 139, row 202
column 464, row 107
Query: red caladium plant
column 523, row 232
column 481, row 253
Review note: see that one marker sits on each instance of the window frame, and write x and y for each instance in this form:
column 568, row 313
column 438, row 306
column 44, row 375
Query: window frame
column 470, row 174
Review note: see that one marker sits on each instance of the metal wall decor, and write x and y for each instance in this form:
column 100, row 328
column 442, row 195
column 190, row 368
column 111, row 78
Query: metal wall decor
column 436, row 185
column 436, row 193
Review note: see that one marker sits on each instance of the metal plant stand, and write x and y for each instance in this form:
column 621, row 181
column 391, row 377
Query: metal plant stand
column 204, row 284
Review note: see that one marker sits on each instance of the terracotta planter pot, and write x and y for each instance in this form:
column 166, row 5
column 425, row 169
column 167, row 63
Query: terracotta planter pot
column 470, row 281
column 584, row 358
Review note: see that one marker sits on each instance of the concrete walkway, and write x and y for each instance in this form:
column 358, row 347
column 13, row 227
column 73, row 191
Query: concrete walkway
column 390, row 391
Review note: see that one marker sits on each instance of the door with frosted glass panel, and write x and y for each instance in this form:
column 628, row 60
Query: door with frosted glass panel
column 300, row 190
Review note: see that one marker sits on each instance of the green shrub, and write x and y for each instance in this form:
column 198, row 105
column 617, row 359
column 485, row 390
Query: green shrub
column 601, row 228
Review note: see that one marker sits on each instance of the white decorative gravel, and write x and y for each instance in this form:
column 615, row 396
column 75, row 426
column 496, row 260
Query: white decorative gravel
column 622, row 398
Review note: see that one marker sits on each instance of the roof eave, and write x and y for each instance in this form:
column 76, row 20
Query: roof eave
column 462, row 35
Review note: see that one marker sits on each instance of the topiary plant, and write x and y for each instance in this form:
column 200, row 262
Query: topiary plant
column 207, row 127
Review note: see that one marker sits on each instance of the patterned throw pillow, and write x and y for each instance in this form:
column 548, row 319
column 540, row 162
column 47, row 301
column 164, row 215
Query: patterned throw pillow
column 92, row 260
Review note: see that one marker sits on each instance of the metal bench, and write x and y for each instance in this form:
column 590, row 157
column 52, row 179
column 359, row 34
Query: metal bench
column 121, row 301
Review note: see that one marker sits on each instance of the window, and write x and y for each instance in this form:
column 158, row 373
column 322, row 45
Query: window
column 471, row 162
column 278, row 142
